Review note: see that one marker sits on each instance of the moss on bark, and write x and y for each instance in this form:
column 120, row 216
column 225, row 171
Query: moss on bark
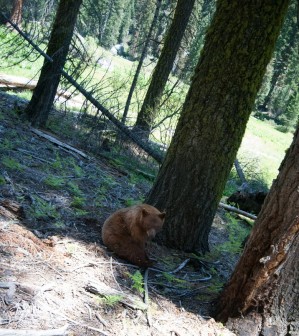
column 238, row 47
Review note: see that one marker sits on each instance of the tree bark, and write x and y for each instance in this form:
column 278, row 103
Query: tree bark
column 16, row 14
column 190, row 183
column 42, row 100
column 163, row 68
column 266, row 278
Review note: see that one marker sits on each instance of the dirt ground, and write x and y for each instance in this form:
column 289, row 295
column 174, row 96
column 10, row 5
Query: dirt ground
column 53, row 203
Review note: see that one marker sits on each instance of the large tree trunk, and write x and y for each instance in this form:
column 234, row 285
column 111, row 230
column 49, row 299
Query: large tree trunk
column 238, row 47
column 42, row 100
column 163, row 68
column 266, row 278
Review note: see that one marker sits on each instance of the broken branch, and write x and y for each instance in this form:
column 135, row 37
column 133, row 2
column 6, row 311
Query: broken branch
column 131, row 300
column 58, row 142
column 238, row 211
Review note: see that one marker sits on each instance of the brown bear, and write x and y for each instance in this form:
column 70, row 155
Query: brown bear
column 127, row 230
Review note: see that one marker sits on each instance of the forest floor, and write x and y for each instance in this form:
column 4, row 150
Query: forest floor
column 53, row 203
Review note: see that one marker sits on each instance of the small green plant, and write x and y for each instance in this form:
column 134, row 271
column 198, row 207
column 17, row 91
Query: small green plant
column 137, row 279
column 77, row 169
column 78, row 202
column 74, row 189
column 6, row 144
column 11, row 163
column 80, row 212
column 215, row 287
column 57, row 164
column 130, row 201
column 172, row 278
column 2, row 180
column 54, row 182
column 43, row 209
column 109, row 300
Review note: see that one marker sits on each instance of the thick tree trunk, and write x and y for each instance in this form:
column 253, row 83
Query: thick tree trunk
column 189, row 186
column 163, row 68
column 43, row 96
column 141, row 60
column 266, row 278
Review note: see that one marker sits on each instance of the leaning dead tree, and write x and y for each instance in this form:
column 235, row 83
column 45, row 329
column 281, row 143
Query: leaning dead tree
column 158, row 156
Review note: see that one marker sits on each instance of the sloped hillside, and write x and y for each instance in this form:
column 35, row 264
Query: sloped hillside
column 57, row 278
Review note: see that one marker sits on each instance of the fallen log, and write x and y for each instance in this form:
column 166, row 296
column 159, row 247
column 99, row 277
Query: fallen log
column 238, row 211
column 129, row 300
column 10, row 82
column 58, row 142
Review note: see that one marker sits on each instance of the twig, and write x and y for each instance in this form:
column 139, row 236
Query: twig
column 90, row 264
column 241, row 174
column 51, row 332
column 238, row 211
column 131, row 300
column 89, row 310
column 193, row 291
column 99, row 317
column 57, row 142
column 32, row 155
column 146, row 300
column 180, row 267
column 209, row 277
column 111, row 268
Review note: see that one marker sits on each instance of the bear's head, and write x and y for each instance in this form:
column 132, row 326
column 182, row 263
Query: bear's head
column 152, row 222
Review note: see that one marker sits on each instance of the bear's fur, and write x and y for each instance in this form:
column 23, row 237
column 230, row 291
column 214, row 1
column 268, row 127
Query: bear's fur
column 127, row 230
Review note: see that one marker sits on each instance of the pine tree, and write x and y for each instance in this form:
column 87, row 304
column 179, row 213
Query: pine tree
column 238, row 47
column 163, row 68
column 44, row 93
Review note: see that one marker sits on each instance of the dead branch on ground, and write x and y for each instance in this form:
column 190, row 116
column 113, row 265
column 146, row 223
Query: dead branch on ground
column 236, row 210
column 129, row 300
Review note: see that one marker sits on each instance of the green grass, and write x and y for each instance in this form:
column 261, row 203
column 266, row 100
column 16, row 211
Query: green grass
column 10, row 163
column 54, row 182
column 265, row 144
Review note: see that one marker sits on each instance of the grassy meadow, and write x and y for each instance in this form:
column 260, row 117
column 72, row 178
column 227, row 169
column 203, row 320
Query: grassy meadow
column 266, row 146
column 263, row 146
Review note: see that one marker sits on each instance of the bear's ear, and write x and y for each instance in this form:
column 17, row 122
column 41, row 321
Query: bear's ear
column 162, row 215
column 144, row 212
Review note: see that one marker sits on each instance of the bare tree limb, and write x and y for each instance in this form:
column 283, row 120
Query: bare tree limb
column 238, row 211
column 143, row 145
column 59, row 143
column 131, row 300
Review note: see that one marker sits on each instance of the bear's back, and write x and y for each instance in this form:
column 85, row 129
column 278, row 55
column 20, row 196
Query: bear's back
column 119, row 223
